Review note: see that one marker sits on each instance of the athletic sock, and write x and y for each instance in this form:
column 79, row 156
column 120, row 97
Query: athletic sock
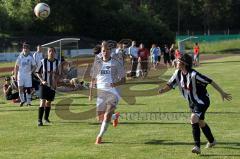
column 207, row 132
column 28, row 96
column 47, row 112
column 103, row 129
column 40, row 113
column 196, row 134
column 22, row 98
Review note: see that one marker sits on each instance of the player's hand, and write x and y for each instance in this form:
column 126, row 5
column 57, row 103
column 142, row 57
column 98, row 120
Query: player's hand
column 139, row 59
column 226, row 96
column 44, row 83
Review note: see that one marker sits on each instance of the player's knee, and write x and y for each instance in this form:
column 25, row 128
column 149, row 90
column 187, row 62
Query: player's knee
column 108, row 116
column 202, row 123
column 194, row 119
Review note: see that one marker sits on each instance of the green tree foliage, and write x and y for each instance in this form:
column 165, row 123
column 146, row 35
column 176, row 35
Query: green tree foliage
column 20, row 13
column 142, row 20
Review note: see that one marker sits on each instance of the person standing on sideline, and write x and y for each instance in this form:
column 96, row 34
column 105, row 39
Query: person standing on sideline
column 154, row 55
column 38, row 56
column 48, row 74
column 133, row 52
column 107, row 73
column 120, row 53
column 166, row 55
column 159, row 54
column 24, row 67
column 143, row 55
column 172, row 54
column 196, row 51
column 192, row 86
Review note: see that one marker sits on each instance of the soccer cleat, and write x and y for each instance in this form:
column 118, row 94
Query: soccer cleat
column 210, row 145
column 196, row 150
column 47, row 121
column 98, row 140
column 29, row 104
column 21, row 104
column 115, row 121
column 40, row 123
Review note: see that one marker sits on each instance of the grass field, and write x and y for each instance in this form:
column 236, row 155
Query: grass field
column 219, row 47
column 138, row 136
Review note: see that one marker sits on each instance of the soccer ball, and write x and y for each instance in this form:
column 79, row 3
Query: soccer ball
column 42, row 10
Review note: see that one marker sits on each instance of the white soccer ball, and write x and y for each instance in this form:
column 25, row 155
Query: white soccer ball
column 42, row 10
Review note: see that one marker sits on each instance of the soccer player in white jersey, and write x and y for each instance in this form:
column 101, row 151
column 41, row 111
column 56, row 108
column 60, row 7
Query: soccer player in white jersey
column 24, row 67
column 107, row 73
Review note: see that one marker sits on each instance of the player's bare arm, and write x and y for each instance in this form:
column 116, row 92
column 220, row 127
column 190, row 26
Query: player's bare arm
column 40, row 78
column 223, row 94
column 16, row 68
column 165, row 89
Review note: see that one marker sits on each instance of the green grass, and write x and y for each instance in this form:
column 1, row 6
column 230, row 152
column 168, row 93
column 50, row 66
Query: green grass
column 168, row 137
column 228, row 46
column 7, row 64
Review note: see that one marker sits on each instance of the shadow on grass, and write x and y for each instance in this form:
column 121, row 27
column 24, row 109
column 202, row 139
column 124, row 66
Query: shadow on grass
column 219, row 62
column 220, row 155
column 230, row 51
column 225, row 145
column 141, row 123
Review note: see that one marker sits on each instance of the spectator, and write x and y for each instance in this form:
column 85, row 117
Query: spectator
column 9, row 92
column 143, row 55
column 133, row 52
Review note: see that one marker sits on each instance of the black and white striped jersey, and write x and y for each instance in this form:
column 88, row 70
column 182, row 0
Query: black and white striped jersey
column 49, row 71
column 192, row 86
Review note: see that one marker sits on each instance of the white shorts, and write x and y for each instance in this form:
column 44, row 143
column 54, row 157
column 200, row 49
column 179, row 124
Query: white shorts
column 25, row 81
column 107, row 100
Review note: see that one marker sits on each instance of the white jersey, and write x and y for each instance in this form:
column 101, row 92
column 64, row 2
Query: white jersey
column 38, row 56
column 106, row 73
column 26, row 64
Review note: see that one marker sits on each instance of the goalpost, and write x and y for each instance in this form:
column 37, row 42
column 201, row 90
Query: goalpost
column 182, row 43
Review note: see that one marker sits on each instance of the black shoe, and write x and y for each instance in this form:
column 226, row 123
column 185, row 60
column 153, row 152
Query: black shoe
column 29, row 104
column 47, row 121
column 40, row 123
column 21, row 104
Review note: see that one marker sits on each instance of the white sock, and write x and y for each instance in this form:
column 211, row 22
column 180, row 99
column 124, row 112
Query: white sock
column 22, row 98
column 114, row 116
column 28, row 98
column 103, row 129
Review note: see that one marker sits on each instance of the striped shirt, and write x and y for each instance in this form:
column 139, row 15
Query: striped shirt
column 49, row 71
column 192, row 86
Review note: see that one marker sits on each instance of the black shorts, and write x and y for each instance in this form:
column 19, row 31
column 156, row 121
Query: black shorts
column 166, row 59
column 200, row 109
column 46, row 93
